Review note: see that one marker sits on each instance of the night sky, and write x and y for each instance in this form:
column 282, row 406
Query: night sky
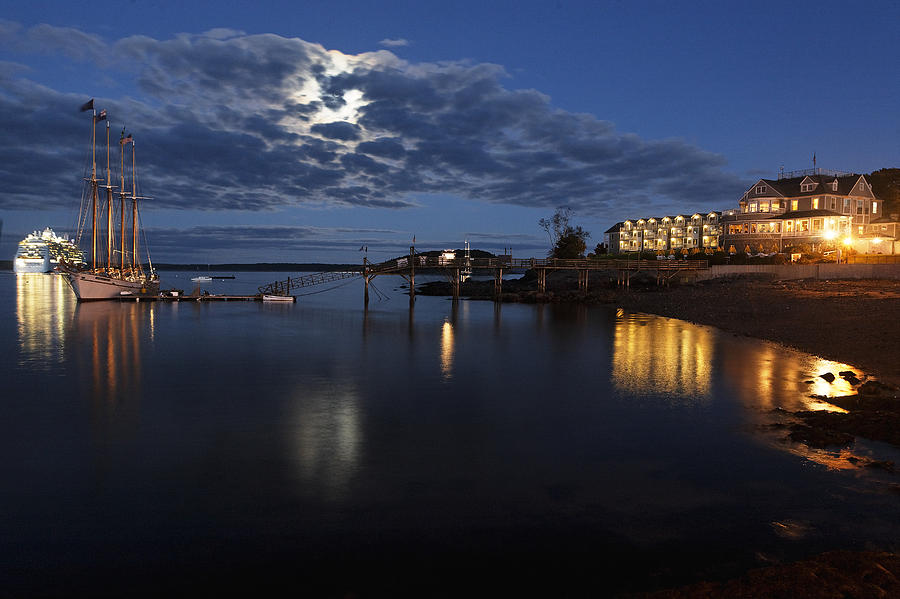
column 286, row 131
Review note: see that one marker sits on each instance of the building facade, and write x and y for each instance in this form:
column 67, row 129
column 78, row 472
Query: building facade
column 815, row 208
column 697, row 231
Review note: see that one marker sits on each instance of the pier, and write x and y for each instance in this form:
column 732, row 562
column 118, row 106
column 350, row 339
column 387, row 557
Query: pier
column 454, row 267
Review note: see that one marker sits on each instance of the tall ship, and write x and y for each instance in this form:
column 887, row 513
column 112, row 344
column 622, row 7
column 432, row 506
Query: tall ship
column 109, row 221
column 41, row 251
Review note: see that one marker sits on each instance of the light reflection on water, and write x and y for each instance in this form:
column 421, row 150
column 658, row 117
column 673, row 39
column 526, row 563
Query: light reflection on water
column 661, row 355
column 653, row 354
column 326, row 433
column 245, row 421
column 447, row 350
column 656, row 355
column 44, row 306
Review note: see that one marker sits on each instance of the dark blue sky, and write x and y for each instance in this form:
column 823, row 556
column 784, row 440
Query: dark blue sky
column 283, row 131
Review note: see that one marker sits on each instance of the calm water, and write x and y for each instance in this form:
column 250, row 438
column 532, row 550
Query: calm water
column 450, row 449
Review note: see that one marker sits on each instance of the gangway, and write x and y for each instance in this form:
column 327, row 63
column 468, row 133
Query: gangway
column 317, row 278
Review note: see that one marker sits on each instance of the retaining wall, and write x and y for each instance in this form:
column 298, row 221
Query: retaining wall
column 805, row 271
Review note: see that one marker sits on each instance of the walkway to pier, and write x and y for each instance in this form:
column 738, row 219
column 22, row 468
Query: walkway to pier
column 455, row 268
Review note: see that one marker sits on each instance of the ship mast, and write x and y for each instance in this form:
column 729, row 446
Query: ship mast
column 94, row 193
column 134, row 239
column 109, row 216
column 122, row 200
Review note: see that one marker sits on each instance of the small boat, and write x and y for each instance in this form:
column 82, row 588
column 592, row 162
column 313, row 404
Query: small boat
column 201, row 279
column 114, row 269
column 279, row 298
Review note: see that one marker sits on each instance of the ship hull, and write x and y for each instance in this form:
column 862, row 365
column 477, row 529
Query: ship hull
column 32, row 265
column 96, row 286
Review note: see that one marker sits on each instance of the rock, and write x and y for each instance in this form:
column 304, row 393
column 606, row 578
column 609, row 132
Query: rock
column 886, row 465
column 877, row 389
column 819, row 437
column 827, row 376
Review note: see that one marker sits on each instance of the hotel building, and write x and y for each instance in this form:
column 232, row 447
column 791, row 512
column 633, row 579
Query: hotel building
column 811, row 208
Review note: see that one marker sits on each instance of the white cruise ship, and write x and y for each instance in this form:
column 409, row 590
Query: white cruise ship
column 41, row 251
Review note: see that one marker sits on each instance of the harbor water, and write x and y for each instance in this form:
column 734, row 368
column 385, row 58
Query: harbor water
column 448, row 449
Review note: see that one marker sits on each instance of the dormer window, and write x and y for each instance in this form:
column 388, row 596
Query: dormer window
column 834, row 185
column 805, row 187
column 760, row 189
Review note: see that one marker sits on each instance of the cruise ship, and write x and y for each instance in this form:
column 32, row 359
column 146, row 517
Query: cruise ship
column 41, row 251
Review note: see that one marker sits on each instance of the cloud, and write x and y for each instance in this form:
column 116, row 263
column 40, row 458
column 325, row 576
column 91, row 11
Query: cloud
column 228, row 121
column 394, row 43
column 280, row 241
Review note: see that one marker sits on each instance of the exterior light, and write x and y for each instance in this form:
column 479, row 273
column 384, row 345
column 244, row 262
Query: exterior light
column 830, row 235
column 876, row 240
column 847, row 241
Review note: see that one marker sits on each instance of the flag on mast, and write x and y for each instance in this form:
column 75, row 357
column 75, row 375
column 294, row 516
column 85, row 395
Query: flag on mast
column 89, row 105
column 814, row 160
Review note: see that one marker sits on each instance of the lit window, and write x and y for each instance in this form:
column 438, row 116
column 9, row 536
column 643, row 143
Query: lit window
column 793, row 204
column 815, row 203
column 874, row 207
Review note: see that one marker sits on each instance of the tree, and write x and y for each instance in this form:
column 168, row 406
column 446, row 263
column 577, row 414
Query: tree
column 886, row 187
column 567, row 241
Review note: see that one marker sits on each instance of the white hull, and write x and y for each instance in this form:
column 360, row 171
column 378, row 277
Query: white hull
column 94, row 286
column 32, row 265
column 279, row 298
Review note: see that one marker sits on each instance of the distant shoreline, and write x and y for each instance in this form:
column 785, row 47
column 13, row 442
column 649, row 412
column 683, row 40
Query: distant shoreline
column 7, row 265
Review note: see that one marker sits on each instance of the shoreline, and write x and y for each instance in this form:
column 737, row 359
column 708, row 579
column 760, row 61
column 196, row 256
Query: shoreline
column 851, row 321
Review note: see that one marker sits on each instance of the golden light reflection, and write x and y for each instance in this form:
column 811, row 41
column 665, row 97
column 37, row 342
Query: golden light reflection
column 766, row 376
column 652, row 354
column 109, row 336
column 44, row 306
column 773, row 381
column 447, row 350
column 327, row 436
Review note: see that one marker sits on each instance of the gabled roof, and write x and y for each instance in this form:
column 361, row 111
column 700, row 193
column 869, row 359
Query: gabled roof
column 615, row 228
column 791, row 187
